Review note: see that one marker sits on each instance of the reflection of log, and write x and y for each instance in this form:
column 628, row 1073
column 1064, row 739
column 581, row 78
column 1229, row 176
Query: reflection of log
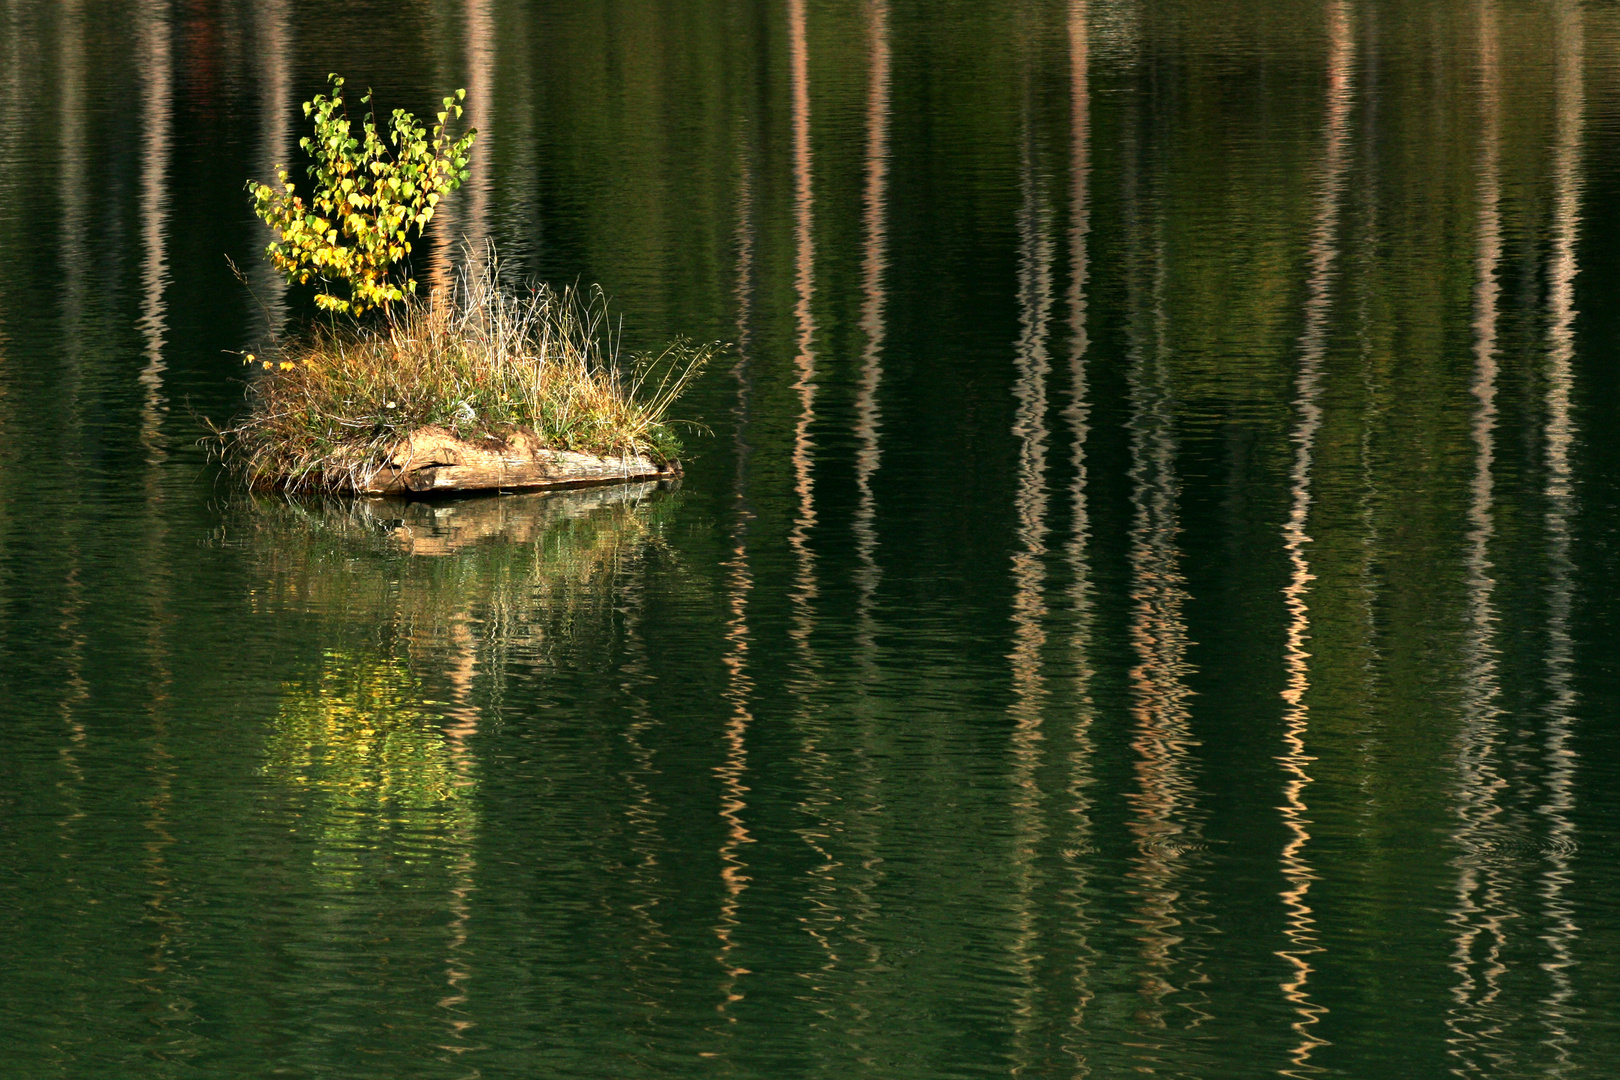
column 432, row 460
column 440, row 528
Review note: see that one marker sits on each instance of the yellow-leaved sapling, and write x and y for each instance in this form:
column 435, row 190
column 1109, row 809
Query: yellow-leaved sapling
column 370, row 198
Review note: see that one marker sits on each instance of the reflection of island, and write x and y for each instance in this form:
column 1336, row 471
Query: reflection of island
column 420, row 610
column 421, row 528
column 379, row 733
column 522, row 568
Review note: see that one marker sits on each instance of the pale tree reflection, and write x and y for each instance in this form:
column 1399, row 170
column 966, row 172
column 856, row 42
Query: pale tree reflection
column 462, row 223
column 643, row 810
column 820, row 801
column 1560, row 755
column 19, row 53
column 866, row 783
column 272, row 55
column 72, row 627
column 732, row 773
column 1323, row 257
column 14, row 40
column 840, row 812
column 1360, row 667
column 73, row 190
column 1164, row 822
column 804, row 286
column 1075, row 834
column 520, row 210
column 733, row 768
column 874, row 263
column 75, row 695
column 480, row 31
column 155, row 35
column 1032, row 366
column 462, row 714
column 1483, row 911
column 155, row 44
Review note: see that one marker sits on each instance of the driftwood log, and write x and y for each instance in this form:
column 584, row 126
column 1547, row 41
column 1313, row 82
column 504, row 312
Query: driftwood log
column 433, row 461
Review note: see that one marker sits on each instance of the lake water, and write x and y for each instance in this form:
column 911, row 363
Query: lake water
column 1144, row 596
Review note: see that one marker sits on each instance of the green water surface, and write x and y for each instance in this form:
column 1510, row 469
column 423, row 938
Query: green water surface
column 1144, row 598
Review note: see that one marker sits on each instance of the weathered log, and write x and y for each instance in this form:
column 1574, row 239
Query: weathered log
column 433, row 461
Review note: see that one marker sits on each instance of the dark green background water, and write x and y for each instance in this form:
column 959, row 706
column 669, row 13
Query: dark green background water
column 1145, row 599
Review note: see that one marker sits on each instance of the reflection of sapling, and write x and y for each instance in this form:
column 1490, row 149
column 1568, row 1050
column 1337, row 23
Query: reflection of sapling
column 368, row 201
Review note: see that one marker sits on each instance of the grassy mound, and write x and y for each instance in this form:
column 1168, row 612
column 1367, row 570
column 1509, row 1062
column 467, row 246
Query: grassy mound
column 483, row 362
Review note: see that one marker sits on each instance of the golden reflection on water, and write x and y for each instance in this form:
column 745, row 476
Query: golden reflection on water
column 167, row 923
column 804, row 287
column 1032, row 367
column 1483, row 910
column 1075, row 836
column 1032, row 364
column 738, row 585
column 1322, row 259
column 733, row 768
column 818, row 806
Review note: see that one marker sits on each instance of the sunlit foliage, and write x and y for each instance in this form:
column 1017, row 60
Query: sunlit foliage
column 370, row 197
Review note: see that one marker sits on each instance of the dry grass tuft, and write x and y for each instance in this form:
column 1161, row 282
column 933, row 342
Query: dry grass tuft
column 482, row 362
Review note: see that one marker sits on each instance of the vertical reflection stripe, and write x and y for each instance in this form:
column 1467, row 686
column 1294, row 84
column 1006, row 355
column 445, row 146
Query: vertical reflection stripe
column 1322, row 255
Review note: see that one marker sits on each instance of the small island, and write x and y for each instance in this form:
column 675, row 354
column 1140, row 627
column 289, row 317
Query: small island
column 479, row 386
